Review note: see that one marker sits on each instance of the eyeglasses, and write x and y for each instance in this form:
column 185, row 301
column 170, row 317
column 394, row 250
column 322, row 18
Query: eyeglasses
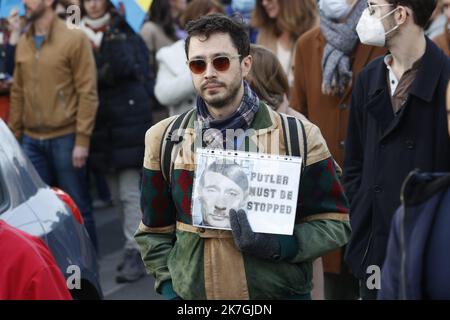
column 220, row 63
column 372, row 7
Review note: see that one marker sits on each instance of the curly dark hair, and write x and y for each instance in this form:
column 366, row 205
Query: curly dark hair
column 423, row 9
column 219, row 23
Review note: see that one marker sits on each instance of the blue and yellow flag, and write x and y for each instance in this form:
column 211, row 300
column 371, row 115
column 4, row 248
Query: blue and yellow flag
column 134, row 11
column 7, row 5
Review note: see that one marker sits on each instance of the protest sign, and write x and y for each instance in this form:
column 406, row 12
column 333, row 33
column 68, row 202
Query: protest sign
column 265, row 186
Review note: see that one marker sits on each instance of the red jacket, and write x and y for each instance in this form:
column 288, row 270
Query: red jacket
column 4, row 108
column 28, row 270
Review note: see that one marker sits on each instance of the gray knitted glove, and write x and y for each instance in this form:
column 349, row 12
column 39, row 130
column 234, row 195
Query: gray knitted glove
column 262, row 245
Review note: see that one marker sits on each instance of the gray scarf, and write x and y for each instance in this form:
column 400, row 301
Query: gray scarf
column 341, row 40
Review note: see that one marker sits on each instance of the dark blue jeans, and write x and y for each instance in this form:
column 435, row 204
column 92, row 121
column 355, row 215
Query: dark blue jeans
column 52, row 159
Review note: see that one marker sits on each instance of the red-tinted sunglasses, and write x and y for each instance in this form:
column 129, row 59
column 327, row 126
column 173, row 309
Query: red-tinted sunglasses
column 220, row 63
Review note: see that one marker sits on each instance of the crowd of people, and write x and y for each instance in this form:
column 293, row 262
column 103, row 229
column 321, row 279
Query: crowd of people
column 361, row 87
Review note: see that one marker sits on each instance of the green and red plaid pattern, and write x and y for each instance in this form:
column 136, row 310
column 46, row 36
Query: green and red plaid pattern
column 156, row 203
column 321, row 190
column 182, row 194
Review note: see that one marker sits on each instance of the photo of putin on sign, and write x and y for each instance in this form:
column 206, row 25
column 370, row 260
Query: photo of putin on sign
column 223, row 186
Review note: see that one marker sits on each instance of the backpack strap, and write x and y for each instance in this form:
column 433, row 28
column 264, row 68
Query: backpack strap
column 291, row 127
column 171, row 138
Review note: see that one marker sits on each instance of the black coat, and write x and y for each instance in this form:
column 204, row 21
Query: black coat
column 125, row 89
column 381, row 149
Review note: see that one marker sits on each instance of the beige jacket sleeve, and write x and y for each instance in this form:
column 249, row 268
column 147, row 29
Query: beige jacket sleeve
column 17, row 101
column 85, row 81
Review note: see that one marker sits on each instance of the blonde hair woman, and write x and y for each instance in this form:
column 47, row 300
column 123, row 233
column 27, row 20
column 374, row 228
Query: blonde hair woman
column 280, row 24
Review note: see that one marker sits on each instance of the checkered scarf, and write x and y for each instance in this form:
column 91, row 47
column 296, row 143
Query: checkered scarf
column 341, row 40
column 241, row 119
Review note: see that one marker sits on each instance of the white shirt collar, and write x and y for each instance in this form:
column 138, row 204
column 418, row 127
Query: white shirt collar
column 393, row 81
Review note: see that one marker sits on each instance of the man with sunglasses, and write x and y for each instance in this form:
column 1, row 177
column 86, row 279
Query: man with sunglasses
column 199, row 263
column 397, row 123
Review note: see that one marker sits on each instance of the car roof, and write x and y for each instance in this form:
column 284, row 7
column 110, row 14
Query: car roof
column 15, row 168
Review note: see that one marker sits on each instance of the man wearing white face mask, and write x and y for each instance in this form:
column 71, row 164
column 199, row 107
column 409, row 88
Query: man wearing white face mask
column 397, row 123
column 327, row 60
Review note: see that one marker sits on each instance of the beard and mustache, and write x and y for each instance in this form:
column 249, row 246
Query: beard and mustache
column 33, row 15
column 219, row 100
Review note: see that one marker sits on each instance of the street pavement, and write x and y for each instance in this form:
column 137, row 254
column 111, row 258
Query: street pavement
column 111, row 241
